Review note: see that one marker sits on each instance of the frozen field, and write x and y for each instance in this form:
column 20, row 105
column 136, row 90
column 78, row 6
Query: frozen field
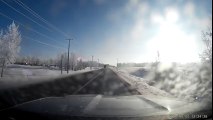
column 18, row 75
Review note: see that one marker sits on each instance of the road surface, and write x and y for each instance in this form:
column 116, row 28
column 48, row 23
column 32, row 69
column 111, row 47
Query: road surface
column 106, row 82
column 103, row 81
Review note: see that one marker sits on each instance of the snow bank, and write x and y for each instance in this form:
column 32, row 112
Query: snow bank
column 188, row 81
column 141, row 84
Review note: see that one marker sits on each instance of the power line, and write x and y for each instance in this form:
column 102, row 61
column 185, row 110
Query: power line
column 44, row 43
column 25, row 15
column 39, row 17
column 28, row 28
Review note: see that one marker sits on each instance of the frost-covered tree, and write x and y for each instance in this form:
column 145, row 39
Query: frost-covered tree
column 1, row 48
column 206, row 56
column 79, row 65
column 73, row 61
column 9, row 45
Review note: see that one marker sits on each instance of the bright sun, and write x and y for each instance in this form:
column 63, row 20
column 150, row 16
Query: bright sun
column 172, row 43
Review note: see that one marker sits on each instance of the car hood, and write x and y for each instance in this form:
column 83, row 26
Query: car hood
column 107, row 106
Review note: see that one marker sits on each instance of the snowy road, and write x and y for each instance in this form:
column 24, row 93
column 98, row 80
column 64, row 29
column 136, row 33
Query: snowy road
column 106, row 82
column 103, row 81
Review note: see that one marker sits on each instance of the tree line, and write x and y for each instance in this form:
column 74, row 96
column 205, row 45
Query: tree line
column 59, row 62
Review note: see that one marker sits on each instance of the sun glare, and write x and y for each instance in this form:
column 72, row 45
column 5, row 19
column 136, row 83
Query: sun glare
column 172, row 16
column 172, row 43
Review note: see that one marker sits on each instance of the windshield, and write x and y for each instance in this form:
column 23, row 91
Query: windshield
column 113, row 48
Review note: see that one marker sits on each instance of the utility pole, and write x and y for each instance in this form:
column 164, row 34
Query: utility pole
column 158, row 56
column 117, row 63
column 92, row 62
column 2, row 69
column 61, row 64
column 68, row 56
column 98, row 62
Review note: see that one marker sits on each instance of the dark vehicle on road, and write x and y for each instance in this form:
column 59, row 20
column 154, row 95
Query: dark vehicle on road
column 106, row 66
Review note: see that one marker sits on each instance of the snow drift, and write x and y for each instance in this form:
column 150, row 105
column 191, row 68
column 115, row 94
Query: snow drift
column 188, row 81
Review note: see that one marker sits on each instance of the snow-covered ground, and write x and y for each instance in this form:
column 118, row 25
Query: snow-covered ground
column 188, row 81
column 183, row 81
column 18, row 75
column 141, row 85
column 137, row 72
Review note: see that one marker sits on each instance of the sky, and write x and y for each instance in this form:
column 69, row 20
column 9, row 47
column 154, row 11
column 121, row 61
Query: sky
column 111, row 30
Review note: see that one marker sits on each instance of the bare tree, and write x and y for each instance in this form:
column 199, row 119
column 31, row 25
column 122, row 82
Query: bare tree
column 206, row 56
